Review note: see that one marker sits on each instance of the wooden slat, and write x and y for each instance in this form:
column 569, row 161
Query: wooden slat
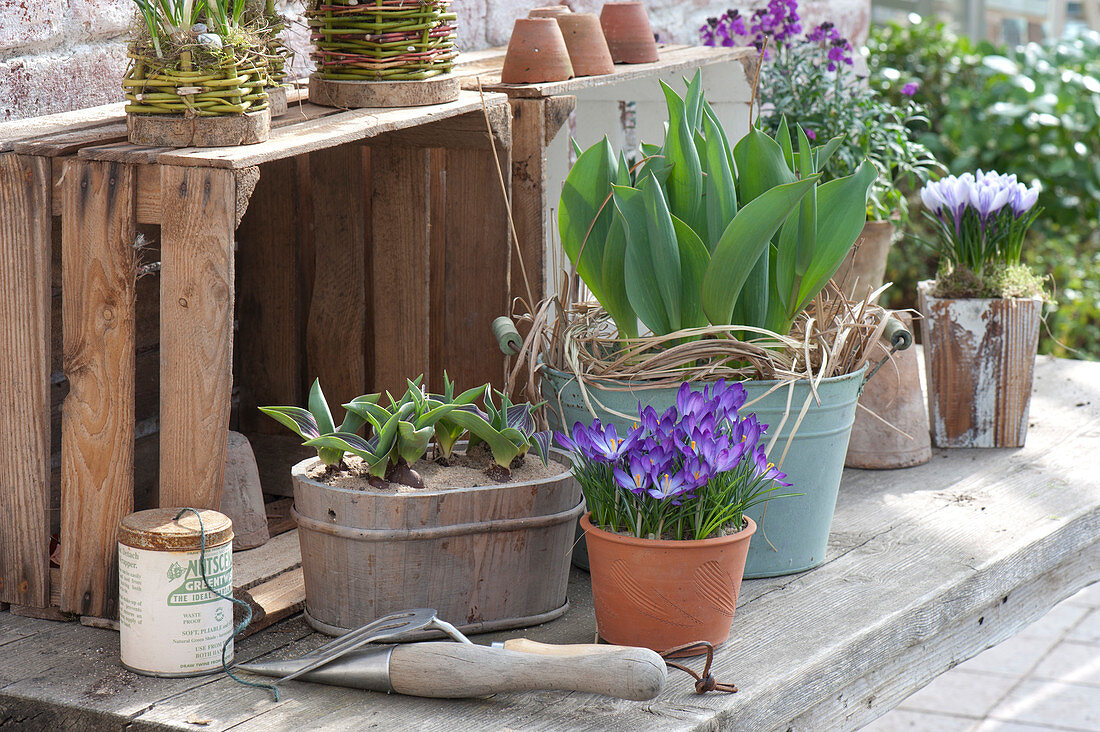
column 196, row 329
column 253, row 567
column 70, row 141
column 529, row 204
column 279, row 598
column 336, row 331
column 467, row 130
column 12, row 132
column 269, row 299
column 474, row 268
column 327, row 132
column 97, row 441
column 399, row 272
column 25, row 231
column 672, row 59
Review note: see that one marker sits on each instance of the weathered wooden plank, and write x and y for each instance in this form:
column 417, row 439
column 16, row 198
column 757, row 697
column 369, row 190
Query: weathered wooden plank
column 399, row 272
column 25, row 240
column 278, row 598
column 337, row 129
column 196, row 329
column 467, row 130
column 336, row 329
column 474, row 267
column 70, row 141
column 253, row 567
column 97, row 440
column 12, row 132
column 269, row 301
column 530, row 209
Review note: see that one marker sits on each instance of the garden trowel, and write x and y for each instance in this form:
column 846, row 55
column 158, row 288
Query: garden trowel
column 463, row 669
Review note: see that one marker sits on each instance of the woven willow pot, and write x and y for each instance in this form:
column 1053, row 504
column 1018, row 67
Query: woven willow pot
column 181, row 105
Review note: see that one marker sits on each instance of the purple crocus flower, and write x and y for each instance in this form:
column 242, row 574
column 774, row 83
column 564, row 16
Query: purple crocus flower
column 1023, row 198
column 667, row 485
column 910, row 89
column 766, row 470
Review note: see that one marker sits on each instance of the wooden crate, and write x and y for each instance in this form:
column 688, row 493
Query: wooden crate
column 359, row 246
column 628, row 106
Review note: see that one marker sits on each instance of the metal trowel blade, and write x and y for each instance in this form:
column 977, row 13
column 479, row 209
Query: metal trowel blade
column 361, row 669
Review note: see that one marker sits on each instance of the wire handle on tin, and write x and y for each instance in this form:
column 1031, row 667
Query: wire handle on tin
column 247, row 608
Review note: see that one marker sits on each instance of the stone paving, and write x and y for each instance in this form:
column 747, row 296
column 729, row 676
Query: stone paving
column 1046, row 678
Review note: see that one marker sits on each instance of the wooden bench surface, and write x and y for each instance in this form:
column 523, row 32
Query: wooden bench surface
column 927, row 567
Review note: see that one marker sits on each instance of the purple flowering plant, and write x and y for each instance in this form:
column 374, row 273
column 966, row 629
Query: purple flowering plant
column 981, row 218
column 810, row 80
column 687, row 473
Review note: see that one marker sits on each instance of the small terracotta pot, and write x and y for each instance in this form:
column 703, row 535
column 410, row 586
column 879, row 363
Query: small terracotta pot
column 536, row 53
column 629, row 35
column 552, row 11
column 588, row 50
column 661, row 594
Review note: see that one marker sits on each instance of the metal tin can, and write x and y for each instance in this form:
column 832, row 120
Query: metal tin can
column 169, row 623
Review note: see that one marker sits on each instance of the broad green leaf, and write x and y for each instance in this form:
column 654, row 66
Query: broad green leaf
column 842, row 212
column 744, row 241
column 783, row 137
column 755, row 291
column 318, row 407
column 823, row 153
column 300, row 421
column 694, row 259
column 807, row 209
column 412, row 442
column 642, row 288
column 693, row 100
column 368, row 409
column 685, row 180
column 760, row 166
column 664, row 252
column 502, row 448
column 583, row 217
column 721, row 199
column 713, row 117
column 616, row 301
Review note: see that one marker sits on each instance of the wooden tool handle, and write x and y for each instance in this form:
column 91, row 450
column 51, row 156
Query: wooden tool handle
column 523, row 645
column 457, row 670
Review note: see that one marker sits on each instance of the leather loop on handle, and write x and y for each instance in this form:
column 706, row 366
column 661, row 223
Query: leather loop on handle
column 523, row 645
column 455, row 670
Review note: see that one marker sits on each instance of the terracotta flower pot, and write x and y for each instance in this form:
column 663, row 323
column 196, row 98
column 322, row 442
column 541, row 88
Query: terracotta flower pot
column 587, row 46
column 979, row 358
column 865, row 266
column 661, row 594
column 894, row 394
column 536, row 53
column 551, row 11
column 629, row 35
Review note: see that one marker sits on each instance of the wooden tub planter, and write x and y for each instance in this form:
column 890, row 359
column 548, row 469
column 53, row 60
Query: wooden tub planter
column 979, row 356
column 486, row 558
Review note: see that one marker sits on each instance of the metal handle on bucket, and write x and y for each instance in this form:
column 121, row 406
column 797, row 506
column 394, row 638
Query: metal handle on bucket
column 898, row 336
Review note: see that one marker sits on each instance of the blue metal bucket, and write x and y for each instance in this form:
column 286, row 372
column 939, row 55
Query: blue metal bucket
column 792, row 532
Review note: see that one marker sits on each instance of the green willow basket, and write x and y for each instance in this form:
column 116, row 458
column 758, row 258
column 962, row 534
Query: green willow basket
column 382, row 40
column 180, row 89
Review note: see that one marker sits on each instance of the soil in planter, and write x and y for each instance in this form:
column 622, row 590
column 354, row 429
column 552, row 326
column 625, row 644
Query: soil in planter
column 464, row 471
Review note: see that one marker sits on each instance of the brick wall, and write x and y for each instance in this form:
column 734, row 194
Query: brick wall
column 57, row 55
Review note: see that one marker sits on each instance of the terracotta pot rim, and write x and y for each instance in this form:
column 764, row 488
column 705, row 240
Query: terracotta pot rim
column 924, row 287
column 742, row 535
column 299, row 472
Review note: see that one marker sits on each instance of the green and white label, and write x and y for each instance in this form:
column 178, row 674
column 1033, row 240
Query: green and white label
column 170, row 623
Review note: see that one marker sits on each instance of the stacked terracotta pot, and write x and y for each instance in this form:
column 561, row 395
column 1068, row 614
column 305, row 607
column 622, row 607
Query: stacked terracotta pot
column 555, row 44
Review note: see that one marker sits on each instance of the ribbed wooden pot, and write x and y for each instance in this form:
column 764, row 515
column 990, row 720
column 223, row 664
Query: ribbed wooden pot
column 979, row 357
column 486, row 558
